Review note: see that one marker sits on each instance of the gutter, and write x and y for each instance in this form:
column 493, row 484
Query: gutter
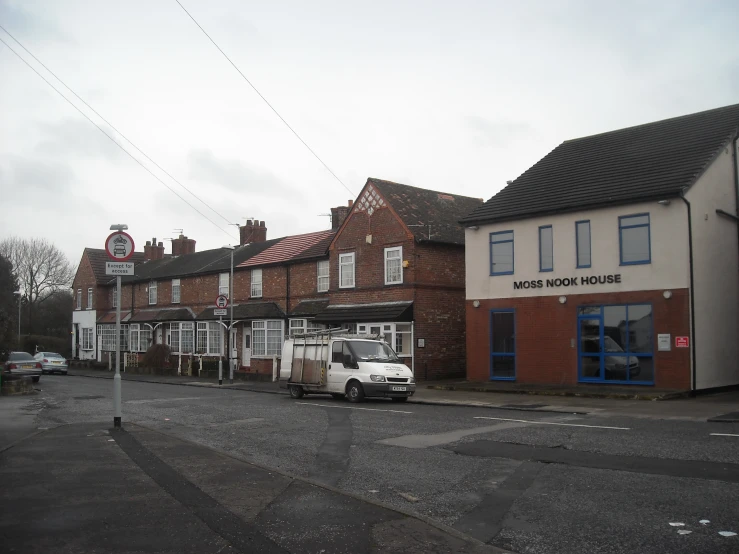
column 693, row 387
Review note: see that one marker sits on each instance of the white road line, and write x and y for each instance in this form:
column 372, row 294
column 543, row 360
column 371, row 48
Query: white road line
column 553, row 423
column 723, row 435
column 352, row 408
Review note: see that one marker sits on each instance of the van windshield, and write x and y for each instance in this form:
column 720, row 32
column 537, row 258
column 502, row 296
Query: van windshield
column 369, row 351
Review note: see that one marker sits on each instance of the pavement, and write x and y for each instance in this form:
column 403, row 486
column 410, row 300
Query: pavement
column 86, row 488
column 720, row 407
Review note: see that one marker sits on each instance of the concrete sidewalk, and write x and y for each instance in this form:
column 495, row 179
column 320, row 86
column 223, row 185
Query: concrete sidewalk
column 701, row 408
column 84, row 488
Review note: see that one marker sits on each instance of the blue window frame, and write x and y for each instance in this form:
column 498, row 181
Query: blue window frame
column 582, row 243
column 546, row 248
column 501, row 253
column 503, row 345
column 616, row 344
column 634, row 239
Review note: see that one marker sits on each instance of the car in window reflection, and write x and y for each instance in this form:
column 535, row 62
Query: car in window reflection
column 616, row 367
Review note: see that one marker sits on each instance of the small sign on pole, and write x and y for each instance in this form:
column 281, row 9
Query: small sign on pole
column 682, row 342
column 119, row 268
column 220, row 311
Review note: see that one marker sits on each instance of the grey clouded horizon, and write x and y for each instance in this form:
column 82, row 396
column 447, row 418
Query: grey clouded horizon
column 456, row 97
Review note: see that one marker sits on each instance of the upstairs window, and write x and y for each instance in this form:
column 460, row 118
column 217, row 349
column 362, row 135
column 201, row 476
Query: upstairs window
column 175, row 291
column 153, row 292
column 634, row 239
column 582, row 243
column 546, row 248
column 323, row 275
column 256, row 283
column 223, row 284
column 346, row 270
column 501, row 253
column 89, row 299
column 394, row 265
column 79, row 299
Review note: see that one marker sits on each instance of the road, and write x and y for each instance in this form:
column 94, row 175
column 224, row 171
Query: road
column 533, row 482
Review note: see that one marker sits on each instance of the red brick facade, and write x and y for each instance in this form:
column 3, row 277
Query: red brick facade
column 546, row 336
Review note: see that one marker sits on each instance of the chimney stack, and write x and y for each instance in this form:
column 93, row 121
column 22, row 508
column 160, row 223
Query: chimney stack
column 252, row 231
column 339, row 214
column 182, row 246
column 153, row 251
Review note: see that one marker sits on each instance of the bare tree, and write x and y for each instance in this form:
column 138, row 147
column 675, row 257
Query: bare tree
column 41, row 268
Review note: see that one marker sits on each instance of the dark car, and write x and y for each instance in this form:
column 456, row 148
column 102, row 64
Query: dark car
column 22, row 364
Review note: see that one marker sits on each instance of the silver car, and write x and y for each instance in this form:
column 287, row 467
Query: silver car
column 21, row 364
column 51, row 362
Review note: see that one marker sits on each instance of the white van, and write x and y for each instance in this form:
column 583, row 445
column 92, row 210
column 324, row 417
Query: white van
column 344, row 365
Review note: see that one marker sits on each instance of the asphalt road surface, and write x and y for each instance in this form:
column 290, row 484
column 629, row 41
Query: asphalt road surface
column 532, row 482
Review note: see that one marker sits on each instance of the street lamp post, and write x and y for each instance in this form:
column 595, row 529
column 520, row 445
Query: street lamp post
column 19, row 293
column 231, row 345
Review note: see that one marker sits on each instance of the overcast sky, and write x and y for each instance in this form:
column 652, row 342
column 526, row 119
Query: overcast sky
column 452, row 96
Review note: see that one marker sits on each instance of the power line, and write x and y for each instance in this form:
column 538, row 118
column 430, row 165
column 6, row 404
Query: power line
column 265, row 100
column 112, row 126
column 111, row 138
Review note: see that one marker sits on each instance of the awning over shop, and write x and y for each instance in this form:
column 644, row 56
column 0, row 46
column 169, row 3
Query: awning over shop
column 251, row 310
column 379, row 311
column 309, row 308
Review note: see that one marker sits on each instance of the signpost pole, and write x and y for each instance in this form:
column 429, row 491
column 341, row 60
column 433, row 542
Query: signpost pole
column 220, row 359
column 117, row 377
column 231, row 337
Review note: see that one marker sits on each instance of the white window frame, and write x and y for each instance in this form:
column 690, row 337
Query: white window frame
column 393, row 250
column 261, row 333
column 87, row 338
column 175, row 291
column 139, row 337
column 347, row 265
column 152, row 293
column 396, row 334
column 304, row 325
column 210, row 338
column 223, row 284
column 79, row 299
column 256, row 283
column 89, row 298
column 323, row 275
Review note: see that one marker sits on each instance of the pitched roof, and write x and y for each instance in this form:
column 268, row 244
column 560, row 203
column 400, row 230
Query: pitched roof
column 418, row 208
column 293, row 248
column 647, row 162
column 309, row 307
column 248, row 310
column 98, row 257
column 378, row 311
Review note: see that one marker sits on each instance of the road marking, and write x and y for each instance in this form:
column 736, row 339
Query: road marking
column 352, row 408
column 553, row 423
column 723, row 435
column 157, row 400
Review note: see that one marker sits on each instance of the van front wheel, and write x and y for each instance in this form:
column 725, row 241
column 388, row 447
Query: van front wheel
column 296, row 392
column 354, row 392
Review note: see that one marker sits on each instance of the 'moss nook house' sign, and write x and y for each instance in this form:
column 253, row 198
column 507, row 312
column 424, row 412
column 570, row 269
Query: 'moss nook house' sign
column 568, row 282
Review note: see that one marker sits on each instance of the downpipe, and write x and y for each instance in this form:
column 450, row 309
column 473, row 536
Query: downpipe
column 693, row 386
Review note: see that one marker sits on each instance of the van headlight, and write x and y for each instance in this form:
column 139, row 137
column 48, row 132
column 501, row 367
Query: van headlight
column 378, row 378
column 412, row 380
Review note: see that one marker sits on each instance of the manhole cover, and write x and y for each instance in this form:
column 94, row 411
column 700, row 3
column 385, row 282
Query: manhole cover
column 88, row 397
column 523, row 406
column 726, row 418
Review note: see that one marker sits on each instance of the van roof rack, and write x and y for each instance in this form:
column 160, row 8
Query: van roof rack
column 338, row 332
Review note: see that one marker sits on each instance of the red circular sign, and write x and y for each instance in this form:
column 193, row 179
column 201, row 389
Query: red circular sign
column 222, row 301
column 119, row 246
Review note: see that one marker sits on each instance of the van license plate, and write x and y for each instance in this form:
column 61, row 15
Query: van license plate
column 399, row 389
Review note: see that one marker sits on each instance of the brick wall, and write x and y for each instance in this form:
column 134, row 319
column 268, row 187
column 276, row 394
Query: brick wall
column 546, row 331
column 84, row 279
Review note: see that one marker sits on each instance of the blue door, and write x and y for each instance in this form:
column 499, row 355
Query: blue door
column 502, row 345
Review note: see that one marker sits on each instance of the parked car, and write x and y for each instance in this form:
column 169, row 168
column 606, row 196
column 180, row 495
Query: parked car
column 22, row 364
column 615, row 365
column 51, row 362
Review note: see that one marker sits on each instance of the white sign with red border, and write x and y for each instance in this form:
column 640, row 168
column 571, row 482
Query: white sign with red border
column 119, row 246
column 222, row 301
column 682, row 342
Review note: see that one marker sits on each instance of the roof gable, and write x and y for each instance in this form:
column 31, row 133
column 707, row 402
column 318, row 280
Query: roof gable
column 646, row 162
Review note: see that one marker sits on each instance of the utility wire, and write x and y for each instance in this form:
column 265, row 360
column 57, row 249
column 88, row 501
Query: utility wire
column 111, row 138
column 112, row 126
column 265, row 100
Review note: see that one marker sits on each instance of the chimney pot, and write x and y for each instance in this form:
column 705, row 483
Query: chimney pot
column 148, row 243
column 350, row 204
column 160, row 245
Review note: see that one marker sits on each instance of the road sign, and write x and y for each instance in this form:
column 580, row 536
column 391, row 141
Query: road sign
column 222, row 301
column 119, row 268
column 119, row 246
column 220, row 311
column 682, row 342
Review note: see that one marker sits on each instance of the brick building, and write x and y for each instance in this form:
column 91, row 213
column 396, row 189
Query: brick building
column 614, row 259
column 393, row 263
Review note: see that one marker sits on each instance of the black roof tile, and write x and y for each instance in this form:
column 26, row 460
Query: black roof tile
column 422, row 207
column 648, row 162
column 380, row 311
column 309, row 307
column 249, row 310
